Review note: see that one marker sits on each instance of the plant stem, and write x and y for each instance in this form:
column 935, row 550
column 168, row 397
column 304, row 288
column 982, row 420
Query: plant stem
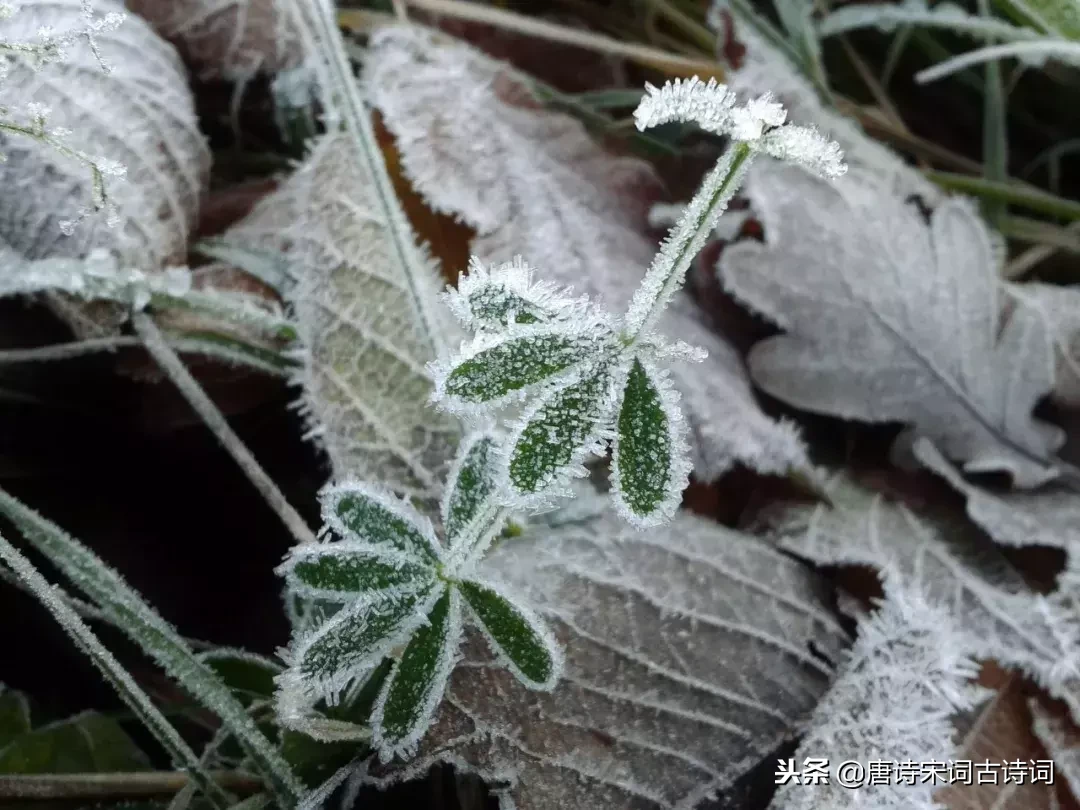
column 1029, row 197
column 115, row 785
column 687, row 238
column 174, row 368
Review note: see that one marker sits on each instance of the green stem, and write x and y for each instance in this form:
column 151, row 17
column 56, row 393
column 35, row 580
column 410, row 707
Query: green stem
column 1028, row 197
column 687, row 238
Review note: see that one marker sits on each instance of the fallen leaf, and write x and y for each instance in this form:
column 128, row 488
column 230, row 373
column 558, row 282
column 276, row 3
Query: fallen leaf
column 890, row 318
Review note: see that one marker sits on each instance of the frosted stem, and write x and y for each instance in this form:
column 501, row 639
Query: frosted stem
column 55, row 601
column 341, row 97
column 177, row 372
column 99, row 786
column 686, row 239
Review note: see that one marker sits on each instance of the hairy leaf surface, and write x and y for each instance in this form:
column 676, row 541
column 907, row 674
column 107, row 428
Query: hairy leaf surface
column 532, row 182
column 889, row 318
column 687, row 659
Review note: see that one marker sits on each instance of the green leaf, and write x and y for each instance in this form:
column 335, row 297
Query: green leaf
column 512, row 364
column 416, row 686
column 470, row 484
column 86, row 743
column 126, row 609
column 647, row 483
column 359, row 512
column 1060, row 17
column 516, row 634
column 558, row 434
column 14, row 714
column 342, row 571
column 248, row 675
column 357, row 638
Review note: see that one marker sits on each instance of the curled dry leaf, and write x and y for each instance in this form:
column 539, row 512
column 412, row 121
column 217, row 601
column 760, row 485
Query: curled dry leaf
column 365, row 384
column 1060, row 739
column 996, row 616
column 532, row 182
column 232, row 39
column 690, row 652
column 891, row 318
column 140, row 114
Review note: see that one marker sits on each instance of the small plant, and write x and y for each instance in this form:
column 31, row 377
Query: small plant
column 584, row 378
column 401, row 591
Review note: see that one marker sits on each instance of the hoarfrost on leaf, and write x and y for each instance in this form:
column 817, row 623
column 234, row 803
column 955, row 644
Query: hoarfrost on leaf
column 140, row 114
column 687, row 659
column 364, row 345
column 892, row 699
column 232, row 39
column 1059, row 307
column 531, row 182
column 994, row 613
column 889, row 318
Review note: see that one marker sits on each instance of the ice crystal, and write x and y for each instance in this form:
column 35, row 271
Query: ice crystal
column 888, row 317
column 403, row 594
column 892, row 701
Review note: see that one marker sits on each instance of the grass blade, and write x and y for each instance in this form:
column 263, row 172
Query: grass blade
column 143, row 625
column 53, row 599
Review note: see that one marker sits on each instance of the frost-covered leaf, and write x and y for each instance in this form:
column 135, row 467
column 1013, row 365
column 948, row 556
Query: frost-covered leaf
column 471, row 484
column 519, row 637
column 232, row 39
column 249, row 675
column 649, row 450
column 368, row 515
column 889, row 318
column 140, row 114
column 556, row 435
column 418, row 680
column 1060, row 309
column 531, row 182
column 354, row 640
column 995, row 614
column 367, row 327
column 1046, row 517
column 347, row 570
column 492, row 298
column 890, row 16
column 493, row 369
column 892, row 699
column 687, row 659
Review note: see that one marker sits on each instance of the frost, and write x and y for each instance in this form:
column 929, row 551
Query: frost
column 531, row 182
column 232, row 39
column 686, row 660
column 401, row 595
column 1059, row 307
column 994, row 614
column 1060, row 741
column 890, row 16
column 892, row 700
column 364, row 343
column 140, row 114
column 889, row 318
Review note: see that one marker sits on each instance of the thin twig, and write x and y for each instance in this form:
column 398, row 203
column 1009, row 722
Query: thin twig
column 542, row 29
column 174, row 368
column 65, row 351
column 115, row 785
column 1022, row 264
